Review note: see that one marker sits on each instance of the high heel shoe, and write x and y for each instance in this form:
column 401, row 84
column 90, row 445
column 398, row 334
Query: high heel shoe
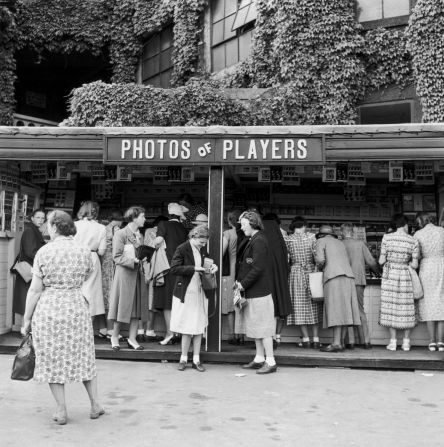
column 60, row 418
column 96, row 412
column 168, row 340
column 136, row 348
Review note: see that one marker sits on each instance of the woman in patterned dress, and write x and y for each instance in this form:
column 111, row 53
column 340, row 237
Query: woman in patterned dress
column 431, row 273
column 301, row 248
column 61, row 322
column 399, row 250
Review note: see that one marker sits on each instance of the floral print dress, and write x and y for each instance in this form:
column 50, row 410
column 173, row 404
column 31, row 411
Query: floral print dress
column 61, row 324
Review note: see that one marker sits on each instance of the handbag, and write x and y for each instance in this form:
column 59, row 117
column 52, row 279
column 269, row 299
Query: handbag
column 144, row 251
column 23, row 269
column 209, row 282
column 418, row 292
column 24, row 361
column 316, row 285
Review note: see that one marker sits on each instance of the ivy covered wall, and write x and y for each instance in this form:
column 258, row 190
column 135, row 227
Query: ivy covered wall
column 315, row 57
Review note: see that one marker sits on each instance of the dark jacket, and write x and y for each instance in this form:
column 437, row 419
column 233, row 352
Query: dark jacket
column 182, row 266
column 254, row 272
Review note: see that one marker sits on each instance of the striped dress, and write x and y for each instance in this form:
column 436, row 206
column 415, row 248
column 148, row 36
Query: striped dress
column 397, row 303
column 301, row 247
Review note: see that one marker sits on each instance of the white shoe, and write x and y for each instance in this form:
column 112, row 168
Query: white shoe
column 405, row 344
column 392, row 345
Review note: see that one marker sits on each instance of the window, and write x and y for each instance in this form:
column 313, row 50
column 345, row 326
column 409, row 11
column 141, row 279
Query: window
column 386, row 113
column 371, row 10
column 157, row 64
column 232, row 31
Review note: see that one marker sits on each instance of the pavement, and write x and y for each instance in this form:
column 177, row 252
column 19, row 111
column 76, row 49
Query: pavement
column 153, row 404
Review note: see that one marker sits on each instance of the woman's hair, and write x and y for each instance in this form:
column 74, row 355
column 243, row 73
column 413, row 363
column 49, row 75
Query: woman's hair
column 233, row 217
column 272, row 216
column 186, row 197
column 115, row 215
column 133, row 212
column 63, row 223
column 399, row 220
column 89, row 209
column 422, row 219
column 199, row 231
column 254, row 219
column 38, row 210
column 297, row 222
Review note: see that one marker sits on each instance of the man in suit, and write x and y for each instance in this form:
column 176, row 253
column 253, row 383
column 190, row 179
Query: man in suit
column 359, row 256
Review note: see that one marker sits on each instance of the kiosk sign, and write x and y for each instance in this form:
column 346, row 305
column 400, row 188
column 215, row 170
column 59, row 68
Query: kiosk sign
column 213, row 151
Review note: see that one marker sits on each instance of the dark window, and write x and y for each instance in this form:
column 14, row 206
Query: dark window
column 232, row 30
column 388, row 113
column 157, row 64
column 373, row 13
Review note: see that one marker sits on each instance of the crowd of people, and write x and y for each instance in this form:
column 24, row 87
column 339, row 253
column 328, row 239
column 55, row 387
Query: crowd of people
column 124, row 273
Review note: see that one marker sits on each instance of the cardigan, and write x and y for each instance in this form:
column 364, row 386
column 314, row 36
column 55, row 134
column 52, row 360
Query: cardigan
column 253, row 273
column 182, row 266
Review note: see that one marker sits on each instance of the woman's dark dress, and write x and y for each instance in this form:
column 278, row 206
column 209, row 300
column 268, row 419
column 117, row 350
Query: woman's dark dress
column 174, row 234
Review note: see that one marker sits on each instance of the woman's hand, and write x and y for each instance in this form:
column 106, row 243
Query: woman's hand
column 199, row 269
column 26, row 328
column 214, row 268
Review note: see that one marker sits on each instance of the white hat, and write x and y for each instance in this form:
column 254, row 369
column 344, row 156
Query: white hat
column 201, row 219
column 177, row 210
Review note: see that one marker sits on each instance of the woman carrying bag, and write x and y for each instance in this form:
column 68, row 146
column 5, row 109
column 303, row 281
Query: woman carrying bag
column 32, row 240
column 189, row 314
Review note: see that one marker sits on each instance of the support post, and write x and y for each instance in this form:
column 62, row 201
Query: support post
column 215, row 222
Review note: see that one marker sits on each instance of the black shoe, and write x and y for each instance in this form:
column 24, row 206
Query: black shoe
column 367, row 346
column 136, row 348
column 316, row 345
column 267, row 369
column 233, row 341
column 140, row 338
column 198, row 366
column 253, row 365
column 332, row 348
column 350, row 346
column 153, row 338
column 306, row 344
column 182, row 366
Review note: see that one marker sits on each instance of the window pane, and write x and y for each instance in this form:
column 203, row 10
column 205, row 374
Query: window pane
column 245, row 45
column 218, row 10
column 153, row 46
column 165, row 78
column 252, row 13
column 396, row 8
column 155, row 82
column 218, row 32
column 219, row 57
column 166, row 38
column 386, row 114
column 230, row 7
column 240, row 18
column 244, row 3
column 151, row 67
column 369, row 10
column 166, row 59
column 231, row 52
column 228, row 25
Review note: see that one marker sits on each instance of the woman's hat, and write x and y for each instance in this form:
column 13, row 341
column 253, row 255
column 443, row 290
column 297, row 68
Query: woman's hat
column 325, row 230
column 201, row 219
column 177, row 210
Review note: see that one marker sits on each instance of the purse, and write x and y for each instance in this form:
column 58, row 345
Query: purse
column 144, row 251
column 24, row 361
column 209, row 282
column 316, row 284
column 418, row 291
column 23, row 269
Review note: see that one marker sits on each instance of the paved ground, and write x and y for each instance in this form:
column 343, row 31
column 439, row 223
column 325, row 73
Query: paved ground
column 152, row 404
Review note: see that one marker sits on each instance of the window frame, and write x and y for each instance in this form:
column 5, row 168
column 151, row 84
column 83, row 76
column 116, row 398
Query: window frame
column 385, row 23
column 241, row 31
column 159, row 53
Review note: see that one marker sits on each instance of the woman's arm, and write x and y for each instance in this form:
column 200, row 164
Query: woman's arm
column 28, row 245
column 119, row 255
column 415, row 255
column 320, row 257
column 383, row 255
column 32, row 298
column 102, row 242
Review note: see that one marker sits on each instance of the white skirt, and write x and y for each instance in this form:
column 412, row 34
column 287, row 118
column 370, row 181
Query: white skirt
column 191, row 316
column 92, row 288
